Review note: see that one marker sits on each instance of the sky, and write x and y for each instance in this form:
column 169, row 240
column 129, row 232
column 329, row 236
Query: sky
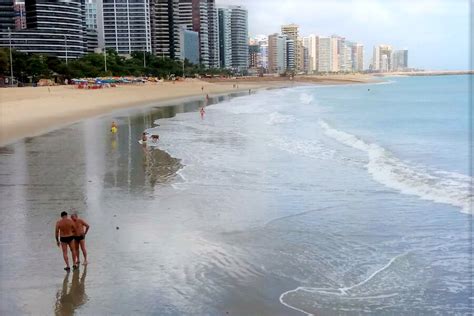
column 435, row 32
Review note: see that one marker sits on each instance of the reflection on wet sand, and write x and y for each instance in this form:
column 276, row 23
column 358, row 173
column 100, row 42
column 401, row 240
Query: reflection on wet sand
column 82, row 167
column 159, row 166
column 68, row 299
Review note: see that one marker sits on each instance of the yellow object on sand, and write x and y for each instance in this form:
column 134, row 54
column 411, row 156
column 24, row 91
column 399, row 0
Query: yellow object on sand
column 114, row 130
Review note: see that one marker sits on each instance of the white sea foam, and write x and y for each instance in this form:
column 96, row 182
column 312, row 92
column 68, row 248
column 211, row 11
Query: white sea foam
column 434, row 185
column 306, row 98
column 307, row 148
column 278, row 118
column 385, row 82
column 343, row 291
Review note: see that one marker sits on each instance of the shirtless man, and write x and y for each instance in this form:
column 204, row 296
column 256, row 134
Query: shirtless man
column 65, row 232
column 80, row 236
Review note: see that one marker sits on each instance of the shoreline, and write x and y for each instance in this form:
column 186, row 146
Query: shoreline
column 30, row 112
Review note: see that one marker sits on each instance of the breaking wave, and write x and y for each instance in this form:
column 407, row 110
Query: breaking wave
column 433, row 185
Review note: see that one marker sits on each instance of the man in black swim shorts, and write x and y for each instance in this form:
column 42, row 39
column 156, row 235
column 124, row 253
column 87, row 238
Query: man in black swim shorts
column 64, row 234
column 79, row 225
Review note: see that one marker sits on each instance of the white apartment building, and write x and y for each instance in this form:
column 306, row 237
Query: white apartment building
column 328, row 60
column 312, row 44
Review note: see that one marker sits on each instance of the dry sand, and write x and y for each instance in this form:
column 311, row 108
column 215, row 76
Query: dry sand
column 26, row 112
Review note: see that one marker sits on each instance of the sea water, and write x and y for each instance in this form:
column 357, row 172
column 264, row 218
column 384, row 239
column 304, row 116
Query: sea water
column 359, row 194
column 323, row 200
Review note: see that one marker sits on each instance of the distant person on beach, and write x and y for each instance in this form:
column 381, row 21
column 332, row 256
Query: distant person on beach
column 155, row 138
column 144, row 137
column 202, row 111
column 64, row 233
column 202, row 88
column 114, row 128
column 80, row 236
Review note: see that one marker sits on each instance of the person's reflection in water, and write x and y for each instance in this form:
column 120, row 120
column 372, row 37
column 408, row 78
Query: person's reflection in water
column 69, row 299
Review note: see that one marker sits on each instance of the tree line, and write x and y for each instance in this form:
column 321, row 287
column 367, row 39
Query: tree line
column 32, row 67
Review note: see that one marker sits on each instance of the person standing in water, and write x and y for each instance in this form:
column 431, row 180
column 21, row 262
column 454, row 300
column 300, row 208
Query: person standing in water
column 114, row 128
column 202, row 111
column 64, row 234
column 80, row 236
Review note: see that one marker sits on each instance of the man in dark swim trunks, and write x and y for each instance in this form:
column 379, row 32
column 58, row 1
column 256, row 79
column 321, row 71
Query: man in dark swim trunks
column 65, row 232
column 80, row 236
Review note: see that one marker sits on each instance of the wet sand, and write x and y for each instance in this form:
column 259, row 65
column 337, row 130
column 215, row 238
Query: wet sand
column 142, row 237
column 27, row 112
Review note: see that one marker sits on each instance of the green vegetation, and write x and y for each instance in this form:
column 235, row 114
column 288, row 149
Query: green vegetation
column 32, row 67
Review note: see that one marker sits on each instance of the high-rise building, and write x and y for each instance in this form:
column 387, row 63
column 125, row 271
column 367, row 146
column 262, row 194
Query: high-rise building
column 344, row 53
column 328, row 59
column 262, row 55
column 302, row 57
column 277, row 49
column 233, row 38
column 7, row 15
column 290, row 55
column 225, row 38
column 239, row 35
column 382, row 58
column 165, row 29
column 126, row 25
column 201, row 16
column 357, row 57
column 193, row 15
column 61, row 34
column 92, row 36
column 254, row 55
column 189, row 45
column 292, row 32
column 400, row 60
column 311, row 43
column 305, row 58
column 91, row 14
column 20, row 16
column 213, row 34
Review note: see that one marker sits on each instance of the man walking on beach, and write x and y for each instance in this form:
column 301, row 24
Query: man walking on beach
column 64, row 233
column 80, row 236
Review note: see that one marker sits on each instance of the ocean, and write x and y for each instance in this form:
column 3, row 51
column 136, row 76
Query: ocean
column 317, row 200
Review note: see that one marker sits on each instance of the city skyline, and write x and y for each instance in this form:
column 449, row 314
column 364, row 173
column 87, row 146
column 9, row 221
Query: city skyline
column 375, row 22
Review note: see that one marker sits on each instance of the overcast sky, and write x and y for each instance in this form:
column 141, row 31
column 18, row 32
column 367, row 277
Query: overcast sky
column 436, row 32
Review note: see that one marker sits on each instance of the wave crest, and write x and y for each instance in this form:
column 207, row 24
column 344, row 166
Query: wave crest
column 437, row 186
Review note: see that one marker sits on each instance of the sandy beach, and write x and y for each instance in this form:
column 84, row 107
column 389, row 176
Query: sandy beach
column 27, row 112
